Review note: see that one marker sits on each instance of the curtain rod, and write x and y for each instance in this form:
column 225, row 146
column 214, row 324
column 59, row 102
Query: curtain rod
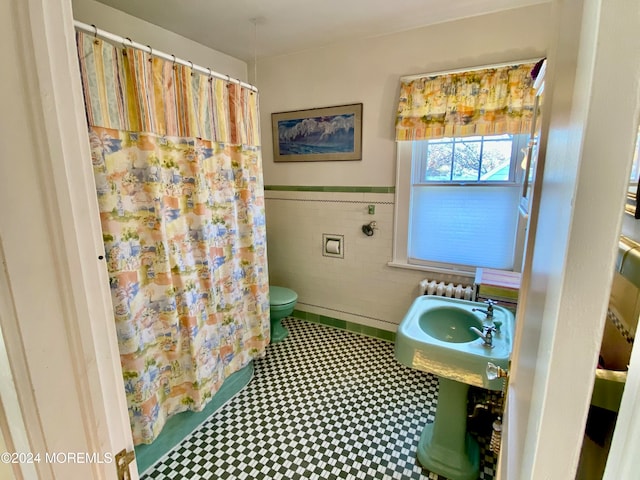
column 157, row 53
column 408, row 78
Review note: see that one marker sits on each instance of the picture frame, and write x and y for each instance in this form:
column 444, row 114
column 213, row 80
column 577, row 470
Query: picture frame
column 318, row 134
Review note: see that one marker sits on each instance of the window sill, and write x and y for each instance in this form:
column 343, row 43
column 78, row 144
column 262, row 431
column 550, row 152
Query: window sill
column 425, row 268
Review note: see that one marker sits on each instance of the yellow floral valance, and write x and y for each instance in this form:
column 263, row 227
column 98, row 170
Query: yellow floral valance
column 492, row 101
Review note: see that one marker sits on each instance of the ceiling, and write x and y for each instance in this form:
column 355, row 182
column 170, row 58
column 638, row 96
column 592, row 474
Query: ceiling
column 244, row 28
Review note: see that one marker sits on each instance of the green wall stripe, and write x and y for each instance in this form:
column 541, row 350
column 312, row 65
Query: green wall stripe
column 313, row 188
column 378, row 333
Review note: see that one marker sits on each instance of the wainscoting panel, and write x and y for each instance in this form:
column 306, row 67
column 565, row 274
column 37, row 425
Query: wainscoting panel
column 358, row 288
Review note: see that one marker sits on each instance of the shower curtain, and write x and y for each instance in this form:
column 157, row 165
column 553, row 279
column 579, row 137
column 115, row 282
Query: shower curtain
column 178, row 171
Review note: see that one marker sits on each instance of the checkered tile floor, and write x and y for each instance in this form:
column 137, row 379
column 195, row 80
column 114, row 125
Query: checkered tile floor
column 324, row 404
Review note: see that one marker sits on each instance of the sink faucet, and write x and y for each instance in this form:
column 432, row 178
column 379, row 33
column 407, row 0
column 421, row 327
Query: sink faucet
column 486, row 334
column 489, row 311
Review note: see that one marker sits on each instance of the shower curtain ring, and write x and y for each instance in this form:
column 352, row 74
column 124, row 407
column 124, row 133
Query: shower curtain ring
column 174, row 61
column 95, row 34
column 191, row 63
column 150, row 53
column 124, row 45
column 210, row 74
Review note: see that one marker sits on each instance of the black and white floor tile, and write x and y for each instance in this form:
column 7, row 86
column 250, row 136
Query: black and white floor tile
column 323, row 404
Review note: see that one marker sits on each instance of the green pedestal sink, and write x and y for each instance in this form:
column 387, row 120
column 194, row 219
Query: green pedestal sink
column 435, row 336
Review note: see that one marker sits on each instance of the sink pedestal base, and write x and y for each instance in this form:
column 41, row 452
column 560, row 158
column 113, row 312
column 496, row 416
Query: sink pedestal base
column 445, row 447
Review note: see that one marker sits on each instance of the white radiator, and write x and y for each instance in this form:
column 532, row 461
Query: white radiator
column 442, row 289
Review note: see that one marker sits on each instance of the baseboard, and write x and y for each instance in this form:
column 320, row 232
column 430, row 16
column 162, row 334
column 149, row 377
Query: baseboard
column 366, row 330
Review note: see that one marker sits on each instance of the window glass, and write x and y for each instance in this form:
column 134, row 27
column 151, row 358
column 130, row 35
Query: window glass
column 496, row 163
column 635, row 168
column 438, row 161
column 464, row 201
column 466, row 159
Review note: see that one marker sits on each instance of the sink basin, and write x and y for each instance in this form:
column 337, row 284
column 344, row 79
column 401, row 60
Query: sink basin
column 435, row 337
column 450, row 324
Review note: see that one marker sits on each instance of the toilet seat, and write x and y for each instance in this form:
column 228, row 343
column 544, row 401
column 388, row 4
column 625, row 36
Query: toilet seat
column 281, row 296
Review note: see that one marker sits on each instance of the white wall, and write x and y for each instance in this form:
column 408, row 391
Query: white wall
column 369, row 70
column 107, row 18
column 361, row 288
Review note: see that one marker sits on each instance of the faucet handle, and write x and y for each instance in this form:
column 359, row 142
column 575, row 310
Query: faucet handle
column 490, row 303
column 493, row 371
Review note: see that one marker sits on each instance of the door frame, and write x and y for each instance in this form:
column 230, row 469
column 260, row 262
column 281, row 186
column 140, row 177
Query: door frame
column 55, row 305
column 588, row 144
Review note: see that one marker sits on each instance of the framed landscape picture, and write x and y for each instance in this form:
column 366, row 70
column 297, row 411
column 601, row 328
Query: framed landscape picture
column 318, row 134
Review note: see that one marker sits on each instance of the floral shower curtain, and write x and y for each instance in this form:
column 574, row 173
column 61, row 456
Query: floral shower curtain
column 177, row 163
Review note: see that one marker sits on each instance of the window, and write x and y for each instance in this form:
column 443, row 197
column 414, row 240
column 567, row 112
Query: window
column 460, row 136
column 462, row 206
column 632, row 205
